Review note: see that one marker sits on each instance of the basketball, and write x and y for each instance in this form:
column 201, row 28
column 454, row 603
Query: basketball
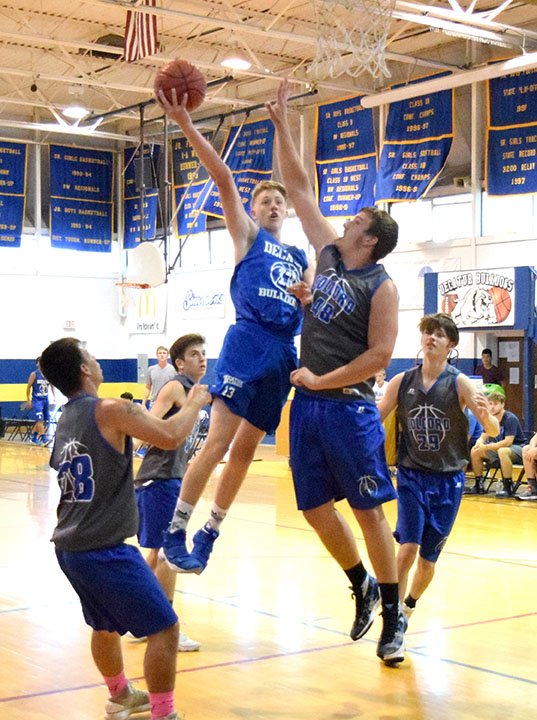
column 448, row 303
column 502, row 302
column 185, row 78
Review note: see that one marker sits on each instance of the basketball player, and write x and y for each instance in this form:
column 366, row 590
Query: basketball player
column 37, row 401
column 337, row 440
column 97, row 512
column 159, row 478
column 258, row 353
column 432, row 452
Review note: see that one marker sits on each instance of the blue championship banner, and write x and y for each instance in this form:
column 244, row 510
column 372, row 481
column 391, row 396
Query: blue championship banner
column 13, row 162
column 132, row 180
column 132, row 219
column 512, row 135
column 190, row 220
column 345, row 158
column 132, row 170
column 189, row 180
column 80, row 225
column 81, row 198
column 248, row 153
column 418, row 138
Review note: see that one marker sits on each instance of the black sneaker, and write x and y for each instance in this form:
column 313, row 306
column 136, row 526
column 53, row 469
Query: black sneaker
column 391, row 645
column 366, row 604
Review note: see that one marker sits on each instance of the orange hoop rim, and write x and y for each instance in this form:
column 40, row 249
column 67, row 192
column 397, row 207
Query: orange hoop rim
column 139, row 286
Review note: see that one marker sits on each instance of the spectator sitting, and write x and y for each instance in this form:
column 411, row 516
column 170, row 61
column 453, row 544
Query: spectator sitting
column 529, row 457
column 505, row 449
column 489, row 372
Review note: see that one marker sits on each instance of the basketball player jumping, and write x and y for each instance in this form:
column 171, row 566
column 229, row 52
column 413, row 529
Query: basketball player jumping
column 258, row 354
column 337, row 441
column 433, row 451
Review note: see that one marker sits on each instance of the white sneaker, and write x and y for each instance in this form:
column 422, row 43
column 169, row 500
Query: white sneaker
column 407, row 611
column 186, row 644
column 130, row 702
column 133, row 638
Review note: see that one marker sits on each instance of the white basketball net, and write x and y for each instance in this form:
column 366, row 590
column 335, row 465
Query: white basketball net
column 351, row 37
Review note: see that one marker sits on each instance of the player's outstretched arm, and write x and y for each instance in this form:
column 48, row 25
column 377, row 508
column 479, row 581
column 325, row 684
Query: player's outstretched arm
column 241, row 227
column 317, row 229
column 117, row 418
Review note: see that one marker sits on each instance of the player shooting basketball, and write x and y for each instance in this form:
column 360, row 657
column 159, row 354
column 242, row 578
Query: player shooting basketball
column 258, row 354
column 433, row 451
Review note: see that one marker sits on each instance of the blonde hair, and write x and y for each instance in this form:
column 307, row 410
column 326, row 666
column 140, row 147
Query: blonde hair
column 269, row 185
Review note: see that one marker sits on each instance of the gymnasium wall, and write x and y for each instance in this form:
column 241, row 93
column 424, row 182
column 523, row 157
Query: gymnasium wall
column 47, row 293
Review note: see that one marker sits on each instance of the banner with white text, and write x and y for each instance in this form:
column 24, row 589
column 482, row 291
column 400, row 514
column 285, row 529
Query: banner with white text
column 510, row 167
column 418, row 138
column 13, row 168
column 81, row 182
column 345, row 158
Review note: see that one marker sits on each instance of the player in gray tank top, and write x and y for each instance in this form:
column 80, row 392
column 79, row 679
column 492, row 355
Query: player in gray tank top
column 97, row 513
column 337, row 448
column 432, row 452
column 158, row 481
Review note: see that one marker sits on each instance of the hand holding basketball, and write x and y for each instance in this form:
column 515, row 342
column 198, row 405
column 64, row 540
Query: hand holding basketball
column 185, row 78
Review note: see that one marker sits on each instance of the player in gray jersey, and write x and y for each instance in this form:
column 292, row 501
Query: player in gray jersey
column 337, row 440
column 433, row 451
column 159, row 478
column 97, row 513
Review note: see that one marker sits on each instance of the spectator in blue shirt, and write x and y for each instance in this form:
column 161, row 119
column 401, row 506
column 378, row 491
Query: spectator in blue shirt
column 505, row 449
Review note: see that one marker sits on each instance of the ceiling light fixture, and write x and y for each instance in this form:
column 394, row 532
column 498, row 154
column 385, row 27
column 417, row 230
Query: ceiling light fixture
column 236, row 60
column 75, row 111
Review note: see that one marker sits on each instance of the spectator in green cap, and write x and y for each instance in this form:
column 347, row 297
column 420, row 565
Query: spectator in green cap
column 502, row 451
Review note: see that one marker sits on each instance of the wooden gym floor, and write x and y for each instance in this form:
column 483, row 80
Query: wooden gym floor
column 272, row 612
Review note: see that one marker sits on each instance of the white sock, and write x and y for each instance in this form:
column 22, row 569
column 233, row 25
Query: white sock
column 181, row 516
column 216, row 518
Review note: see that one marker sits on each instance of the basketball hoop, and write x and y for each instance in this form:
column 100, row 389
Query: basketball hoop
column 351, row 38
column 145, row 265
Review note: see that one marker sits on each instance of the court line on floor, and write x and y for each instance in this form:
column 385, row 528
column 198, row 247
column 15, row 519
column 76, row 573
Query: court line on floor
column 271, row 656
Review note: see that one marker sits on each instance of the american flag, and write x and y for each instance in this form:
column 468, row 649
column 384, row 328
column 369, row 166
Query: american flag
column 140, row 34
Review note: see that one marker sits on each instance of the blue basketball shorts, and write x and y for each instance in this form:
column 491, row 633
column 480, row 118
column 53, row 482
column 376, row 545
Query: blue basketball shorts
column 40, row 408
column 156, row 505
column 117, row 590
column 252, row 375
column 426, row 508
column 337, row 451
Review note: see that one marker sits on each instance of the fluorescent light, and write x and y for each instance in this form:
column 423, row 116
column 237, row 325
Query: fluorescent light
column 75, row 111
column 447, row 82
column 236, row 62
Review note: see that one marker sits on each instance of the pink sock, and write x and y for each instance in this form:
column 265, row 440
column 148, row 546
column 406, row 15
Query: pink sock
column 116, row 684
column 162, row 704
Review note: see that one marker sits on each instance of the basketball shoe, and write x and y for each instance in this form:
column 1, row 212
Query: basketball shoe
column 367, row 601
column 174, row 551
column 129, row 702
column 184, row 644
column 391, row 644
column 530, row 494
column 203, row 541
